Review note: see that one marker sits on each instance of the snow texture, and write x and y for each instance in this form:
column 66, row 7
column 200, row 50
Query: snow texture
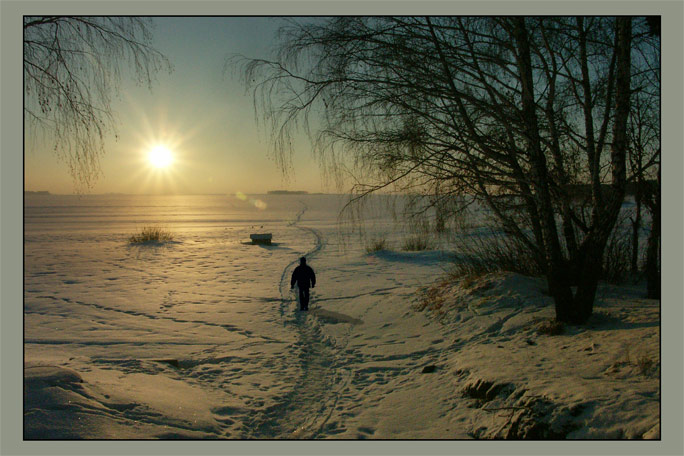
column 200, row 337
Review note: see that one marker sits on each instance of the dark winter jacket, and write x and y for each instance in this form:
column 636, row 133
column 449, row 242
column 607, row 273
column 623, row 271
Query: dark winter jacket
column 303, row 275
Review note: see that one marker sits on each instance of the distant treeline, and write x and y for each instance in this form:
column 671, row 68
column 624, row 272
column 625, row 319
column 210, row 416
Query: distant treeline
column 39, row 192
column 287, row 192
column 584, row 190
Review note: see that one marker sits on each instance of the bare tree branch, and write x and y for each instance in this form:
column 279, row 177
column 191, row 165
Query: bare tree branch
column 72, row 67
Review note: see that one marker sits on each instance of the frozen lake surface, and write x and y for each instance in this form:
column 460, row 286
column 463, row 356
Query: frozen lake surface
column 200, row 337
column 206, row 321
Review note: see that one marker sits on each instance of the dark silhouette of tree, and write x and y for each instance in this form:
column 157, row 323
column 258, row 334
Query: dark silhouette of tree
column 525, row 115
column 644, row 154
column 653, row 248
column 72, row 68
column 644, row 164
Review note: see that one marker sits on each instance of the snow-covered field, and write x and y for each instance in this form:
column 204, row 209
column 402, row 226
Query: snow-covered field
column 200, row 337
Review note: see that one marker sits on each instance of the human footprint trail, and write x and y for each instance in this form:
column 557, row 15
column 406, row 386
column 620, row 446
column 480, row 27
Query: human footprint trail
column 196, row 340
column 284, row 282
column 304, row 411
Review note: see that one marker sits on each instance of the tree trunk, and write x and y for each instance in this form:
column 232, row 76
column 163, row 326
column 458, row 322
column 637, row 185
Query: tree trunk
column 653, row 246
column 560, row 291
column 653, row 260
column 577, row 308
column 571, row 246
column 589, row 271
column 636, row 227
column 558, row 273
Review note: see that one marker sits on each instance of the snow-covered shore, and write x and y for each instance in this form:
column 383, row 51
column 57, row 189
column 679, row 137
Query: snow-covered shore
column 200, row 339
column 478, row 367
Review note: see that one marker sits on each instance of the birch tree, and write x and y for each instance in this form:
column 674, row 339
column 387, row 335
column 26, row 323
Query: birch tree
column 528, row 116
column 72, row 69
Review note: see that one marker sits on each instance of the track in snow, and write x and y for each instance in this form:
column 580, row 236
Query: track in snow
column 304, row 411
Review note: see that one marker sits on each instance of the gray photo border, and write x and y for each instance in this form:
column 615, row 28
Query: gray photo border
column 11, row 230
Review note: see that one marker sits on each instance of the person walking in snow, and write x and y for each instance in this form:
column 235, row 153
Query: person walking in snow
column 304, row 277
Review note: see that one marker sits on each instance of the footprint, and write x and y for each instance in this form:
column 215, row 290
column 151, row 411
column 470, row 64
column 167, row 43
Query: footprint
column 226, row 411
column 366, row 430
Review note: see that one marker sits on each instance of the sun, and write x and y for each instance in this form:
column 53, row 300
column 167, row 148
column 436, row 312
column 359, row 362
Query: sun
column 160, row 156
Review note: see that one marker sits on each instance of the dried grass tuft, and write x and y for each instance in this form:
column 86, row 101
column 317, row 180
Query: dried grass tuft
column 151, row 233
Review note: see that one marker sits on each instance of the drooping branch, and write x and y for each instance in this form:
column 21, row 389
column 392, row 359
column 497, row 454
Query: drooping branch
column 72, row 68
column 513, row 113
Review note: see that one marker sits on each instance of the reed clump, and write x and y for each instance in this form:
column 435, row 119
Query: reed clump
column 417, row 243
column 377, row 245
column 151, row 233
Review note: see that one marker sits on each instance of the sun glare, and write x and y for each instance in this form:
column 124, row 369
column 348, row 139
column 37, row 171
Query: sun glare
column 160, row 157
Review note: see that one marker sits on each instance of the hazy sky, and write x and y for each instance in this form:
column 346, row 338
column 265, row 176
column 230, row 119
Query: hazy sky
column 204, row 115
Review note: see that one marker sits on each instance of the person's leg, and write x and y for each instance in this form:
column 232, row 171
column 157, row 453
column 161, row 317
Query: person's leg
column 302, row 305
column 305, row 299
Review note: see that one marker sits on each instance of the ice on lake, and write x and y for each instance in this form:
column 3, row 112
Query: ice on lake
column 200, row 336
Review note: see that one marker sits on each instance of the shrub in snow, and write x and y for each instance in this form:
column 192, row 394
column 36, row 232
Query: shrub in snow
column 151, row 234
column 490, row 250
column 417, row 243
column 376, row 245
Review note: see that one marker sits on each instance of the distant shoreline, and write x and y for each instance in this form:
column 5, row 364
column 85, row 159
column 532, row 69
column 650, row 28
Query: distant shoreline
column 577, row 190
column 273, row 192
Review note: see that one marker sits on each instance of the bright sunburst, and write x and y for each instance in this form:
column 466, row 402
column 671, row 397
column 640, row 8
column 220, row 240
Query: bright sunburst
column 160, row 156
